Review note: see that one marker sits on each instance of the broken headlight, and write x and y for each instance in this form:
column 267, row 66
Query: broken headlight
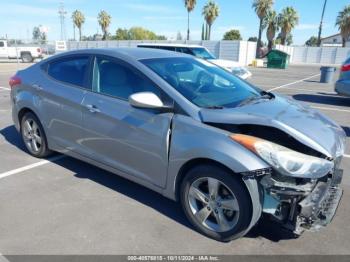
column 284, row 160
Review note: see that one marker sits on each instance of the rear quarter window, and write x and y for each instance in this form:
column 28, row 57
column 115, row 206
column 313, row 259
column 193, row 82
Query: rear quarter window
column 69, row 70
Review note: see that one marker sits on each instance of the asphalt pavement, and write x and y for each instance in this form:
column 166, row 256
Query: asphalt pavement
column 65, row 206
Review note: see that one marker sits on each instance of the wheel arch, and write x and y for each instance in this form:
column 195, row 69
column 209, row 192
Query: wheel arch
column 196, row 162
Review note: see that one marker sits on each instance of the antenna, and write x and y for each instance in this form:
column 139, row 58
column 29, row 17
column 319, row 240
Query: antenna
column 62, row 13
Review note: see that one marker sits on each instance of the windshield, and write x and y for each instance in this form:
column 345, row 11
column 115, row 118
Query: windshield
column 202, row 53
column 203, row 83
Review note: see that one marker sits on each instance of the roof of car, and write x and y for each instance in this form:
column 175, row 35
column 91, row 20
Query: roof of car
column 133, row 53
column 169, row 44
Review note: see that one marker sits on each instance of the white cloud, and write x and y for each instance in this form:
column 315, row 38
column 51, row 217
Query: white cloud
column 149, row 8
column 307, row 26
column 164, row 18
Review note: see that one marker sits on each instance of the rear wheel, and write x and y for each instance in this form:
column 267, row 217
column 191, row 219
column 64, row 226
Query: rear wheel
column 33, row 136
column 216, row 202
column 27, row 58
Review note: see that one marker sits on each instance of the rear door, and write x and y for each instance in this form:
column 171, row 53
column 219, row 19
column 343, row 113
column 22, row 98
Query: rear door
column 62, row 92
column 129, row 139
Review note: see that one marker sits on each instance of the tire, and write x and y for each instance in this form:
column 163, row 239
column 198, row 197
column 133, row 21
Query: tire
column 33, row 136
column 232, row 204
column 26, row 58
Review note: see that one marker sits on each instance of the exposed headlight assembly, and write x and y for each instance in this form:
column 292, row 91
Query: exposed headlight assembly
column 284, row 160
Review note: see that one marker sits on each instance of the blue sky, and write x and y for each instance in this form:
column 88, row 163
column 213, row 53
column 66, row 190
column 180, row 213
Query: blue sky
column 165, row 17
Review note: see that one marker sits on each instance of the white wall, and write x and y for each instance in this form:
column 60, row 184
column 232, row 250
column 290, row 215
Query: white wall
column 241, row 51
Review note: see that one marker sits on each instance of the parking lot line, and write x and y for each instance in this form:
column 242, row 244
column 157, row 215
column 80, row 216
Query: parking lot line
column 4, row 88
column 331, row 109
column 295, row 82
column 31, row 166
column 347, row 156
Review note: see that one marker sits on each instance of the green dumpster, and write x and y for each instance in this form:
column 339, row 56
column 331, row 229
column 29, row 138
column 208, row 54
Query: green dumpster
column 277, row 59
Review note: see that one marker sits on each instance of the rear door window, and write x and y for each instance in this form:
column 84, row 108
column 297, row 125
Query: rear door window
column 70, row 70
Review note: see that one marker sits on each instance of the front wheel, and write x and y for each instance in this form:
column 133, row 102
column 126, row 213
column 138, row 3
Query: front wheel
column 33, row 136
column 216, row 202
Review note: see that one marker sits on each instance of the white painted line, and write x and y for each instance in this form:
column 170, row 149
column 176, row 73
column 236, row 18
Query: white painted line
column 331, row 109
column 308, row 90
column 31, row 166
column 347, row 156
column 4, row 88
column 299, row 81
column 3, row 259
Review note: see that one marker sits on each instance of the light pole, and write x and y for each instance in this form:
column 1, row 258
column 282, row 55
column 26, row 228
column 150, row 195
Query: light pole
column 320, row 28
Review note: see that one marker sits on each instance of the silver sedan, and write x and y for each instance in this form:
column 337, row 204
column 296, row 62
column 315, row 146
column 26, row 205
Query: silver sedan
column 189, row 130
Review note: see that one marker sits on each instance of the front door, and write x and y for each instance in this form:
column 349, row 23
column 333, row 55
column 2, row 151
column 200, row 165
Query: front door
column 129, row 139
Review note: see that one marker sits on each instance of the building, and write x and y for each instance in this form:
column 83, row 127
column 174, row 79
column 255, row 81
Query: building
column 334, row 40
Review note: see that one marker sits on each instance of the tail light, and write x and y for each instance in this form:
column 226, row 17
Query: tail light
column 39, row 50
column 14, row 81
column 345, row 68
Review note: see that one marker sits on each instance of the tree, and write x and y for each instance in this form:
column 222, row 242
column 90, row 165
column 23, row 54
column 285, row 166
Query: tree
column 287, row 20
column 271, row 23
column 203, row 32
column 232, row 35
column 190, row 5
column 261, row 8
column 343, row 23
column 312, row 41
column 39, row 35
column 104, row 19
column 179, row 36
column 253, row 39
column 122, row 34
column 137, row 33
column 210, row 12
column 288, row 40
column 78, row 20
column 36, row 33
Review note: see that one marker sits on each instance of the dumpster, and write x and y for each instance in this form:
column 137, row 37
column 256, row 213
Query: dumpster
column 327, row 74
column 277, row 59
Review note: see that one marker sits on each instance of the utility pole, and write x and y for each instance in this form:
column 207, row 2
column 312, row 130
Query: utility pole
column 321, row 23
column 62, row 13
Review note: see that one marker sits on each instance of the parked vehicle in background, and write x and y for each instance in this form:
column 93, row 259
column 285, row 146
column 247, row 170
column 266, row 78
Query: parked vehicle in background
column 189, row 130
column 26, row 53
column 203, row 53
column 342, row 86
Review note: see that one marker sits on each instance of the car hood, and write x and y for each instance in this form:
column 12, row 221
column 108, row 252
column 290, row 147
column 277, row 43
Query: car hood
column 225, row 63
column 306, row 125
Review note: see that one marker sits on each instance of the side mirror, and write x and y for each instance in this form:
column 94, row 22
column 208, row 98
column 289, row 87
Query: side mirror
column 146, row 100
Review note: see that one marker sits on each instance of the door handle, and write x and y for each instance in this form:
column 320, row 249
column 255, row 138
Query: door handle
column 93, row 109
column 37, row 87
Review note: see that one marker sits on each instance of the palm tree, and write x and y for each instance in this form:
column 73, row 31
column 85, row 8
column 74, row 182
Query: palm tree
column 210, row 12
column 78, row 20
column 287, row 20
column 271, row 23
column 104, row 19
column 343, row 22
column 261, row 8
column 190, row 5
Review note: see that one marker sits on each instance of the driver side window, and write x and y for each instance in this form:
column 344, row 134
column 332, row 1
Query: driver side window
column 119, row 80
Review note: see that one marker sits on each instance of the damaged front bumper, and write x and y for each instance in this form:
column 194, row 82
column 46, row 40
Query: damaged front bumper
column 302, row 204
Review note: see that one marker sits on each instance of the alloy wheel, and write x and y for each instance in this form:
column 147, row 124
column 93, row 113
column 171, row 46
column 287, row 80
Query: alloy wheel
column 32, row 136
column 213, row 204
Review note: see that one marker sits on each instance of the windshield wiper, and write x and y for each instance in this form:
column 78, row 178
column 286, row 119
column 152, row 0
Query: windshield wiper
column 263, row 95
column 214, row 107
